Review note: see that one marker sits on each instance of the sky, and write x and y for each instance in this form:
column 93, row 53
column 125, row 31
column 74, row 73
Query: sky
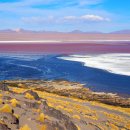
column 65, row 15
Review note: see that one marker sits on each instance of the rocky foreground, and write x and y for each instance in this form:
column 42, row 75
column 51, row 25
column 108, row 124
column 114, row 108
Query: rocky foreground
column 60, row 105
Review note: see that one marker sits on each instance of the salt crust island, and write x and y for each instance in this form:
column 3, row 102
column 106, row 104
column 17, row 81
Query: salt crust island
column 60, row 105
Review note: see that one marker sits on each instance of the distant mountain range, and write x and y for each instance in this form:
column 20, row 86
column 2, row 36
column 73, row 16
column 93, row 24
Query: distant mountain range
column 97, row 32
column 121, row 32
column 72, row 32
column 78, row 32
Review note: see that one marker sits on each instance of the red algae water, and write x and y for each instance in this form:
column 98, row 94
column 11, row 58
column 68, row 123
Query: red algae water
column 67, row 48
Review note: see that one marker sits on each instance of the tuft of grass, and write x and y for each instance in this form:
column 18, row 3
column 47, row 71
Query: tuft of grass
column 16, row 115
column 76, row 117
column 14, row 102
column 36, row 110
column 39, row 102
column 1, row 101
column 78, row 127
column 7, row 92
column 29, row 96
column 43, row 127
column 41, row 117
column 25, row 127
column 6, row 108
column 18, row 90
column 1, row 95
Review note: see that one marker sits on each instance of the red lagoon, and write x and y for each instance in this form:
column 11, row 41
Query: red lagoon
column 66, row 48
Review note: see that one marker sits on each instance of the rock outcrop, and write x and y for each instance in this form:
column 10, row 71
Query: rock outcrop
column 34, row 94
column 64, row 122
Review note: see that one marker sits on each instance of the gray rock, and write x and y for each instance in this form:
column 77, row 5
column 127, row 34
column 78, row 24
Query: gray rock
column 4, row 87
column 4, row 127
column 9, row 118
column 63, row 119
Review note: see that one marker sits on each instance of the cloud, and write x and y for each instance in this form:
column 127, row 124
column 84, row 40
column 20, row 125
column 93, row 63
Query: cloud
column 88, row 17
column 53, row 14
column 91, row 17
column 67, row 19
column 39, row 20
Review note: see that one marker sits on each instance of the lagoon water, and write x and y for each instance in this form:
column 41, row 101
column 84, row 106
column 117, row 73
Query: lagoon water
column 101, row 72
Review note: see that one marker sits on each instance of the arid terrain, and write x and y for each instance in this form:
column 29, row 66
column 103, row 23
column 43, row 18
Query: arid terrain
column 60, row 105
column 59, row 36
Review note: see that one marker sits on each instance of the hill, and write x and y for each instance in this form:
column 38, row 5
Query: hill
column 25, row 105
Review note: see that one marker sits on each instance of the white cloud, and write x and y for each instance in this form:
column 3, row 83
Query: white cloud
column 66, row 19
column 59, row 14
column 88, row 17
column 91, row 17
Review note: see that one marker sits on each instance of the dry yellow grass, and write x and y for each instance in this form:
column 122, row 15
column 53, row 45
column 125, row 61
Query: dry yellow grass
column 6, row 108
column 110, row 107
column 14, row 102
column 78, row 127
column 18, row 90
column 76, row 117
column 1, row 101
column 29, row 96
column 25, row 127
column 41, row 117
column 16, row 115
column 42, row 127
column 1, row 95
column 75, row 108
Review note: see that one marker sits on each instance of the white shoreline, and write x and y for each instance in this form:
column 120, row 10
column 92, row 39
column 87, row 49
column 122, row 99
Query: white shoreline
column 117, row 63
column 62, row 41
column 42, row 41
